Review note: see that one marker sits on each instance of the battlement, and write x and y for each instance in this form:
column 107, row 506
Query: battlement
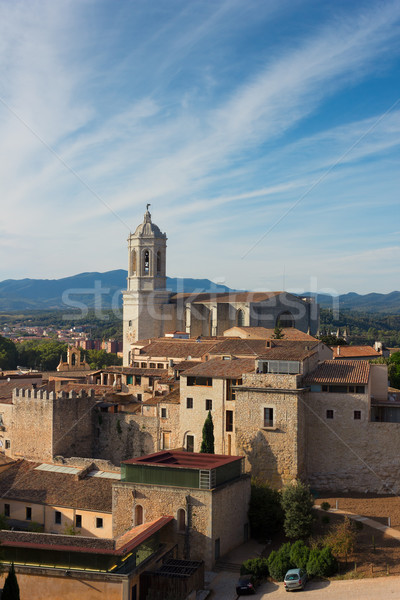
column 45, row 395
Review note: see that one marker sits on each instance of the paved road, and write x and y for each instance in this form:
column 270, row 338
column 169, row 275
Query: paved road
column 383, row 588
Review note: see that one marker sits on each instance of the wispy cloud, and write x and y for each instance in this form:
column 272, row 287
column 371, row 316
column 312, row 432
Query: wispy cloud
column 159, row 105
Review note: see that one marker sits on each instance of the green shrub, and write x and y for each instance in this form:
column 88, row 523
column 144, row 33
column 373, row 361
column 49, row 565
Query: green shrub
column 325, row 519
column 258, row 567
column 279, row 562
column 265, row 511
column 321, row 563
column 299, row 554
column 297, row 503
column 325, row 505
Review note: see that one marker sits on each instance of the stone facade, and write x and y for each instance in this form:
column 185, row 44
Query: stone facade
column 275, row 451
column 205, row 514
column 44, row 424
column 344, row 453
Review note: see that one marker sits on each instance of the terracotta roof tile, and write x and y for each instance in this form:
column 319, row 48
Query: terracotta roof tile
column 222, row 369
column 263, row 333
column 291, row 350
column 343, row 371
column 353, row 351
column 176, row 349
column 22, row 481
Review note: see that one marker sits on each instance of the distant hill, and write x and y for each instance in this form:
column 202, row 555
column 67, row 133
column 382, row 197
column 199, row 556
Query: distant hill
column 47, row 294
column 373, row 303
column 42, row 294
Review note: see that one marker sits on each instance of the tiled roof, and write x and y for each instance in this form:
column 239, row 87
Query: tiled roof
column 76, row 543
column 23, row 482
column 180, row 458
column 222, row 369
column 353, row 351
column 263, row 333
column 291, row 350
column 239, row 347
column 226, row 297
column 176, row 349
column 6, row 387
column 185, row 364
column 342, row 371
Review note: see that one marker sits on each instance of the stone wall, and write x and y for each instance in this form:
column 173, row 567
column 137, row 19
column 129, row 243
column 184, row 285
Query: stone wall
column 72, row 424
column 32, row 425
column 347, row 454
column 274, row 454
column 192, row 419
column 120, row 436
column 206, row 513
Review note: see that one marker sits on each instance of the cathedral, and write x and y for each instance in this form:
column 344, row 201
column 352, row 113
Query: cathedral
column 150, row 310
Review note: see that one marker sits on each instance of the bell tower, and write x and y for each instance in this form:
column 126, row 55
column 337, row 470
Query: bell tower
column 146, row 293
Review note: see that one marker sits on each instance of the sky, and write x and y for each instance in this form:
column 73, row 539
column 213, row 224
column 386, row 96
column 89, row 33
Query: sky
column 264, row 133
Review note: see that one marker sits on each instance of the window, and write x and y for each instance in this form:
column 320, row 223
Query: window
column 204, row 381
column 229, row 420
column 130, row 323
column 28, row 513
column 166, row 440
column 139, row 397
column 189, row 402
column 8, row 444
column 240, row 317
column 360, row 389
column 133, row 262
column 163, row 413
column 138, row 380
column 6, row 510
column 57, row 517
column 190, row 443
column 181, row 518
column 158, row 262
column 138, row 514
column 143, row 365
column 357, row 415
column 146, row 262
column 208, row 404
column 78, row 521
column 329, row 414
column 129, row 379
column 99, row 522
column 268, row 417
column 160, row 365
column 152, row 365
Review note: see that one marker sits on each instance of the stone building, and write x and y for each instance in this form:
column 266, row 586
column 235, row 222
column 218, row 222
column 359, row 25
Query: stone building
column 198, row 490
column 74, row 361
column 150, row 310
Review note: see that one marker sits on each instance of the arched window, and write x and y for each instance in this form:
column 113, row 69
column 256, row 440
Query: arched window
column 133, row 262
column 73, row 359
column 285, row 319
column 158, row 262
column 181, row 518
column 138, row 514
column 146, row 262
column 240, row 317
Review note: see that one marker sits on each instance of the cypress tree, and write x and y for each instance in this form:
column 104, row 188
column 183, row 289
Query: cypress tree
column 11, row 588
column 207, row 445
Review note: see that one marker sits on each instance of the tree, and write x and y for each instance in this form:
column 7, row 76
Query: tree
column 8, row 354
column 265, row 511
column 278, row 332
column 207, row 445
column 342, row 539
column 11, row 587
column 297, row 503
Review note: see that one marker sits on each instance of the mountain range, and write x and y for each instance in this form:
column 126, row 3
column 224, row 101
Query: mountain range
column 85, row 288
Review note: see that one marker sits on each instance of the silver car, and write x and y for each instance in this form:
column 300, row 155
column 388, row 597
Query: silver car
column 295, row 579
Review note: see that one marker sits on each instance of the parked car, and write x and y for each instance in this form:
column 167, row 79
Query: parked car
column 295, row 579
column 246, row 585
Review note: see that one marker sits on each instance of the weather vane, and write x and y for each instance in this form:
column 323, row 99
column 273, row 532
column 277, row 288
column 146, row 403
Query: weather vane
column 147, row 206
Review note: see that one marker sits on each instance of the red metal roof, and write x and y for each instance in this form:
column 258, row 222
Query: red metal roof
column 181, row 459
